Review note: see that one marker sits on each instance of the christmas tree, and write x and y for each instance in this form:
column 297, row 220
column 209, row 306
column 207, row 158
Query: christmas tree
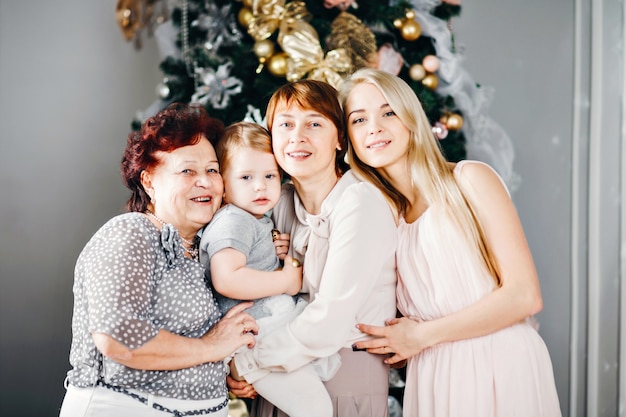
column 230, row 56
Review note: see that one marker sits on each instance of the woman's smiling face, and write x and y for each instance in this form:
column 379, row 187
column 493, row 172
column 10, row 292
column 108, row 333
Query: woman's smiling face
column 186, row 186
column 304, row 142
column 378, row 136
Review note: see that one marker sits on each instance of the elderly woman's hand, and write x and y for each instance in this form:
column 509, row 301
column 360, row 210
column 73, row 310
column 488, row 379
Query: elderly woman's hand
column 234, row 330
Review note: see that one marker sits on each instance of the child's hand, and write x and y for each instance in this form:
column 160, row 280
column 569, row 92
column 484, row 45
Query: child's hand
column 293, row 272
column 234, row 373
column 281, row 243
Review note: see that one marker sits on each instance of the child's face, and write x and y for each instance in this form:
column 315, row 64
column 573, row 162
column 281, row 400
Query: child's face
column 252, row 181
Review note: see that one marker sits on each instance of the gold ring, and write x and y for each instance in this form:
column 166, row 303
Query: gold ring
column 275, row 233
column 296, row 263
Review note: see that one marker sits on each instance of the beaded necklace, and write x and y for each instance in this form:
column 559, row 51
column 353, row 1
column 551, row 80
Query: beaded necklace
column 189, row 246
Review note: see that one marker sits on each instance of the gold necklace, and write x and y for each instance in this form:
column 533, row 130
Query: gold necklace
column 190, row 247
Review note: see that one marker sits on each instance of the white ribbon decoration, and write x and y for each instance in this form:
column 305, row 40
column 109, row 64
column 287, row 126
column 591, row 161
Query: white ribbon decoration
column 486, row 141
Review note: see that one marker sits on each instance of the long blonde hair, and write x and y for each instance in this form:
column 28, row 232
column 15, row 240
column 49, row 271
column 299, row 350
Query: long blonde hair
column 429, row 171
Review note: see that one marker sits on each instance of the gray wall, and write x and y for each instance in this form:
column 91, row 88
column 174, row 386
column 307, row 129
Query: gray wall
column 69, row 86
column 524, row 50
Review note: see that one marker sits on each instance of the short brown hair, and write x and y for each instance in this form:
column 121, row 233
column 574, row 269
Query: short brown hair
column 176, row 126
column 317, row 95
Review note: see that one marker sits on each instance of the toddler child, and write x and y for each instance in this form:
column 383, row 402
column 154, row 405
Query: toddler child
column 238, row 253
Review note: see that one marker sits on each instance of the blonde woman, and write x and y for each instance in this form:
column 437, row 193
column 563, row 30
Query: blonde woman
column 467, row 283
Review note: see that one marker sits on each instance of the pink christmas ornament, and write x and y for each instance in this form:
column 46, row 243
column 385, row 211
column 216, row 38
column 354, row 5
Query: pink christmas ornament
column 341, row 4
column 389, row 60
column 430, row 63
column 440, row 130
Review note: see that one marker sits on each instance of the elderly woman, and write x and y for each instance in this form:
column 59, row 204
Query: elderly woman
column 147, row 335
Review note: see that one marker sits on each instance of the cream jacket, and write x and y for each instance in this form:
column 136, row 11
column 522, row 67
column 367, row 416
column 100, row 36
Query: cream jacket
column 348, row 253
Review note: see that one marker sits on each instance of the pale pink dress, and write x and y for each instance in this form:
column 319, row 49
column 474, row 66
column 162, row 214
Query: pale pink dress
column 504, row 374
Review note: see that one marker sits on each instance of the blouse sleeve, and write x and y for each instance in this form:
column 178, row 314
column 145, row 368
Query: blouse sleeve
column 361, row 251
column 118, row 267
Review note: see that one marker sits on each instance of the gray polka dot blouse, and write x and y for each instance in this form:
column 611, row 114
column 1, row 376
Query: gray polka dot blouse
column 130, row 281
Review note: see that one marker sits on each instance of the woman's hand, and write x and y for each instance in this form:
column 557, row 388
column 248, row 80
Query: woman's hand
column 398, row 365
column 401, row 338
column 240, row 389
column 234, row 330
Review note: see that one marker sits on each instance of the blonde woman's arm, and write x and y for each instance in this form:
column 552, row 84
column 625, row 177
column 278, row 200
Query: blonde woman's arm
column 518, row 297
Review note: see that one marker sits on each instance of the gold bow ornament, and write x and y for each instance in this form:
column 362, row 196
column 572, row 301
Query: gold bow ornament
column 301, row 43
column 268, row 15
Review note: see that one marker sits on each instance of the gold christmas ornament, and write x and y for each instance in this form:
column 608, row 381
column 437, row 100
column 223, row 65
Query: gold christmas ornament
column 245, row 16
column 411, row 30
column 353, row 36
column 135, row 16
column 261, row 65
column 269, row 14
column 331, row 68
column 277, row 64
column 247, row 3
column 417, row 72
column 301, row 43
column 264, row 48
column 454, row 122
column 431, row 81
column 128, row 16
column 408, row 27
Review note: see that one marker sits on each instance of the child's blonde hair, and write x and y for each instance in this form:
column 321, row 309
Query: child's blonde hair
column 430, row 172
column 242, row 135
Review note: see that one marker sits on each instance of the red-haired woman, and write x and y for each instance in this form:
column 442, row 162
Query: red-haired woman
column 147, row 336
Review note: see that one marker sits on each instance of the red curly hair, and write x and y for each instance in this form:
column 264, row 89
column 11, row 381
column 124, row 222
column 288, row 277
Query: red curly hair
column 176, row 126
